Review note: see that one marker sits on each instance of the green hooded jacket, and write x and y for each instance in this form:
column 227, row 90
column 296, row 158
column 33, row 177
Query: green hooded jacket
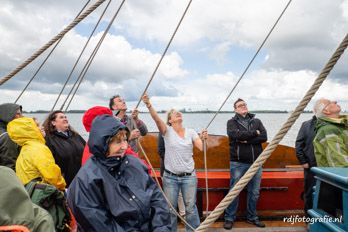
column 9, row 151
column 16, row 207
column 331, row 142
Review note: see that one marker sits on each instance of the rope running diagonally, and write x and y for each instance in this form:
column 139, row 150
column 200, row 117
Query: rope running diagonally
column 275, row 141
column 251, row 61
column 161, row 189
column 52, row 41
column 79, row 57
column 164, row 53
column 48, row 55
column 89, row 61
column 216, row 113
column 147, row 86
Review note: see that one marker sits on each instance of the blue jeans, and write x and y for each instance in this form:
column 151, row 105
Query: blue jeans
column 237, row 171
column 188, row 187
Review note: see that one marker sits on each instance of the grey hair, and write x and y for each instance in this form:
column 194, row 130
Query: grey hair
column 319, row 107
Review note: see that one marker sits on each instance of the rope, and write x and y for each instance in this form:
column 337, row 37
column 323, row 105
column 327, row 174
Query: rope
column 164, row 53
column 52, row 41
column 49, row 54
column 79, row 57
column 251, row 61
column 275, row 141
column 240, row 78
column 160, row 188
column 206, row 176
column 89, row 62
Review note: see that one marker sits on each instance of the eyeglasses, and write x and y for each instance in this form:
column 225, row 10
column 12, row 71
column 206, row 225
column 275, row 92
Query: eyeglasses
column 241, row 105
column 330, row 102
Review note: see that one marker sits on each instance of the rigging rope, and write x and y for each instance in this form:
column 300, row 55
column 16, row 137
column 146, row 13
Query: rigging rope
column 79, row 57
column 206, row 177
column 147, row 86
column 49, row 54
column 246, row 69
column 164, row 53
column 251, row 61
column 89, row 61
column 52, row 41
column 161, row 189
column 275, row 141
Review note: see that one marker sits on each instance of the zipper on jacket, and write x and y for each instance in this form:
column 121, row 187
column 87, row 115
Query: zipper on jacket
column 252, row 151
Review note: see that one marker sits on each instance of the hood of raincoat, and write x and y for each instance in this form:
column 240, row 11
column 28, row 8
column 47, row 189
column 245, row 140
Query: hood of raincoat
column 93, row 112
column 103, row 128
column 22, row 130
column 8, row 112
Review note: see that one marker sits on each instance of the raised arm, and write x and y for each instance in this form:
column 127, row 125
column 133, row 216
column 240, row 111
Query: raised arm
column 159, row 122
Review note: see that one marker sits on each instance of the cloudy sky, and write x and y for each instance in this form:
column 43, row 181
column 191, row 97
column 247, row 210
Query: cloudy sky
column 213, row 46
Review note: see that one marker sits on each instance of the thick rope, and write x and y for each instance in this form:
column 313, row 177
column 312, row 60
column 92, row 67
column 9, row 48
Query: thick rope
column 275, row 141
column 161, row 189
column 44, row 61
column 79, row 57
column 251, row 61
column 52, row 41
column 164, row 53
column 89, row 61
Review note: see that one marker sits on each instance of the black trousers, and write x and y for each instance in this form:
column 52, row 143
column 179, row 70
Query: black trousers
column 309, row 183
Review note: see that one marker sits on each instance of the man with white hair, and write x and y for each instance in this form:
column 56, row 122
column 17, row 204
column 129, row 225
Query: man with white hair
column 331, row 140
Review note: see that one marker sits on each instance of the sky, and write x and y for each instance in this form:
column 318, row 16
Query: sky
column 210, row 51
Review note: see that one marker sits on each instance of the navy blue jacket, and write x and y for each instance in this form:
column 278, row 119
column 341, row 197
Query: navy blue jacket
column 245, row 143
column 304, row 143
column 115, row 194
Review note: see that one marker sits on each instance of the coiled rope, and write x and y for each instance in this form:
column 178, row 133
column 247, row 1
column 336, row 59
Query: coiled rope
column 48, row 56
column 52, row 41
column 275, row 141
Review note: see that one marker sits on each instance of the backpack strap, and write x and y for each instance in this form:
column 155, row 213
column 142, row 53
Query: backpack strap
column 3, row 134
column 30, row 187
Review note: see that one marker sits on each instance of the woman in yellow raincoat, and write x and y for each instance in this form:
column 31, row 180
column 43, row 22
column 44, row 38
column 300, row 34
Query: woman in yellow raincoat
column 35, row 161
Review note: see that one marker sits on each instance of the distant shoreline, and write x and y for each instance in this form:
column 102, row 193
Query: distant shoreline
column 183, row 111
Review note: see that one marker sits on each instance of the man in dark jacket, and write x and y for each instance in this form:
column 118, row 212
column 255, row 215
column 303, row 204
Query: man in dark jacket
column 305, row 155
column 246, row 135
column 9, row 151
column 113, row 191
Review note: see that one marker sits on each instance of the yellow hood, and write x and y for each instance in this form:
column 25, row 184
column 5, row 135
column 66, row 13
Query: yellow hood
column 22, row 130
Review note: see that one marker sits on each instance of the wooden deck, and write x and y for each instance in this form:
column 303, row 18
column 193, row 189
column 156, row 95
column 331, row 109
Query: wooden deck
column 241, row 226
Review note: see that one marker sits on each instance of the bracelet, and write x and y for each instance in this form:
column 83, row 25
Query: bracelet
column 148, row 106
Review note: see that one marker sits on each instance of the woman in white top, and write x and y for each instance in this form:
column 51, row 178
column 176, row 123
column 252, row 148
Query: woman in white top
column 179, row 173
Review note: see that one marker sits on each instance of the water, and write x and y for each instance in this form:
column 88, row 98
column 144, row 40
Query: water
column 198, row 121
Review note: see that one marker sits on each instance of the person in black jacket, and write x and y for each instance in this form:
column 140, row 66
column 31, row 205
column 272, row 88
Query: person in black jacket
column 65, row 144
column 306, row 157
column 113, row 191
column 246, row 135
column 161, row 151
column 9, row 150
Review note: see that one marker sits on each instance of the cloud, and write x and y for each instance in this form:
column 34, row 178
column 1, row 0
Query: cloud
column 293, row 56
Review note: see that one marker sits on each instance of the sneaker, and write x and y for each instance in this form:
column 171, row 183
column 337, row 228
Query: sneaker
column 257, row 223
column 228, row 225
